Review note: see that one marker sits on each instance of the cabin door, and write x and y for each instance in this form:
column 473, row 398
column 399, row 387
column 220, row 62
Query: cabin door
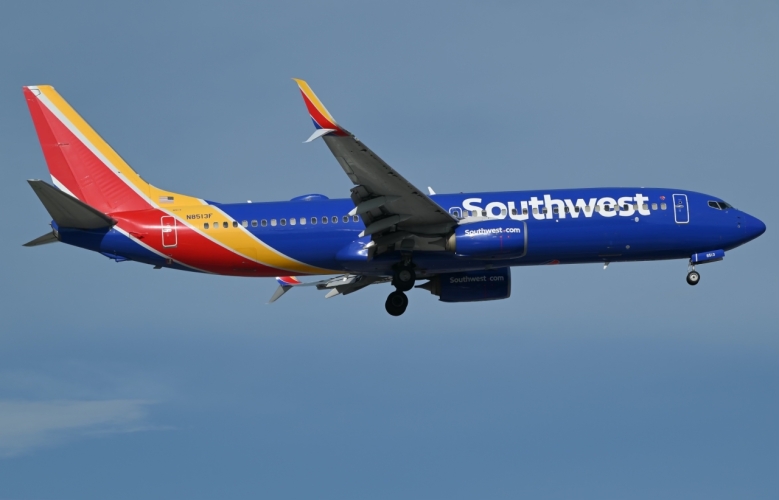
column 169, row 233
column 681, row 210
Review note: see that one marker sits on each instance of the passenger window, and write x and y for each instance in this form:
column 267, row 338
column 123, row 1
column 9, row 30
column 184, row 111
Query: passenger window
column 283, row 222
column 503, row 212
column 273, row 222
column 535, row 211
column 555, row 210
column 246, row 223
column 293, row 221
column 645, row 206
column 524, row 211
column 513, row 211
column 662, row 206
column 205, row 226
column 587, row 209
column 355, row 218
column 597, row 208
column 543, row 210
column 324, row 220
column 335, row 219
column 254, row 223
column 576, row 209
column 302, row 221
column 216, row 225
column 567, row 210
column 654, row 206
column 484, row 213
column 224, row 225
column 346, row 218
column 264, row 223
column 235, row 223
column 313, row 220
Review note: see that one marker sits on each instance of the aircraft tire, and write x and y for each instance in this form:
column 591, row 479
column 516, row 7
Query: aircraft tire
column 404, row 279
column 396, row 303
column 693, row 277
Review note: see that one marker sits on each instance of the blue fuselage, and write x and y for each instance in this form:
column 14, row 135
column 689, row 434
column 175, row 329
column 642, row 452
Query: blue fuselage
column 560, row 226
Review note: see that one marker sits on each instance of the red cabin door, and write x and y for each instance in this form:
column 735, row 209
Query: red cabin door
column 169, row 234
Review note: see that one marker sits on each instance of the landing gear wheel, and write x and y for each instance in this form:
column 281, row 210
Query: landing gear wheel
column 396, row 303
column 693, row 277
column 404, row 278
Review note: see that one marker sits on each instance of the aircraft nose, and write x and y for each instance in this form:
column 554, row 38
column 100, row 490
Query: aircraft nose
column 753, row 226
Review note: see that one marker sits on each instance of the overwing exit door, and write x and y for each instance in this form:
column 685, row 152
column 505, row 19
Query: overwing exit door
column 169, row 233
column 681, row 210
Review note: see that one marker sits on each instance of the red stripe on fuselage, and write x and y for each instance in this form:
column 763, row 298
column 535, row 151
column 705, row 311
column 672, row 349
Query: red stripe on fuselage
column 192, row 248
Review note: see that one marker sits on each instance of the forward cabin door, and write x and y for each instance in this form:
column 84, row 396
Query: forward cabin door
column 169, row 233
column 681, row 210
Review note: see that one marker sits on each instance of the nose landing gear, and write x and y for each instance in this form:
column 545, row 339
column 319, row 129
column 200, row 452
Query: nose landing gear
column 693, row 277
column 403, row 281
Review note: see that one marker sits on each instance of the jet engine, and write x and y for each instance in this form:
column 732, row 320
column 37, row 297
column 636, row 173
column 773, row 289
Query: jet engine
column 491, row 239
column 471, row 286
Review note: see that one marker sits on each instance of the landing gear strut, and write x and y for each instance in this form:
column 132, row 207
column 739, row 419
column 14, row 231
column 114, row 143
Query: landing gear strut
column 693, row 277
column 403, row 280
column 396, row 303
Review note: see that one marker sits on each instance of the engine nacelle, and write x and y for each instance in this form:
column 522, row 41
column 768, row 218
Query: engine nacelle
column 471, row 286
column 490, row 239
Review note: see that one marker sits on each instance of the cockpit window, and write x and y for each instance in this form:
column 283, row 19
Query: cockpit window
column 720, row 205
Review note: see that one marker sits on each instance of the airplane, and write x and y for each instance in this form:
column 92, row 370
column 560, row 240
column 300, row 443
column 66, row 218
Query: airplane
column 387, row 231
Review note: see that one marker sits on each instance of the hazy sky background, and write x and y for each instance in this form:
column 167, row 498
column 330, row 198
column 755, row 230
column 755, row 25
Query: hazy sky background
column 118, row 381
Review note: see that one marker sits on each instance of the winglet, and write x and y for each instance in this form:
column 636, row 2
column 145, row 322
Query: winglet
column 285, row 283
column 322, row 118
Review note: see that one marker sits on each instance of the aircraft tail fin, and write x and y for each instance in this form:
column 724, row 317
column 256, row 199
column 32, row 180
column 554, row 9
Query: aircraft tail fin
column 67, row 211
column 83, row 165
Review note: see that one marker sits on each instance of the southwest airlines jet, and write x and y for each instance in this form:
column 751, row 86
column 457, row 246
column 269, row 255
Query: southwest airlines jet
column 387, row 231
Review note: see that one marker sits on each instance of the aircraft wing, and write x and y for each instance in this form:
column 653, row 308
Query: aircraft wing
column 382, row 197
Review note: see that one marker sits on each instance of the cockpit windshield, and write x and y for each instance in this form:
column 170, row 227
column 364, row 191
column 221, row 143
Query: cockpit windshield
column 720, row 205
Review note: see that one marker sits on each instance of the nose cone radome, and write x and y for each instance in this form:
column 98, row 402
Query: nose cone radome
column 754, row 227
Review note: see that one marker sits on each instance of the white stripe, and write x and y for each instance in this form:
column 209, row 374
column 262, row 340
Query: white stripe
column 62, row 187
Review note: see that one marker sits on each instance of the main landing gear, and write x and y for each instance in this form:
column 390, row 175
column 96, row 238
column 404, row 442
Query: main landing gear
column 693, row 277
column 403, row 281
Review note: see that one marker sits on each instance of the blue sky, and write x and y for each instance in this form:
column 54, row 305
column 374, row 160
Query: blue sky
column 117, row 381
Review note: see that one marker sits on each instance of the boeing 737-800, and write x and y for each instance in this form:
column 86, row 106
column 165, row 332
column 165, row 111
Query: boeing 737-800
column 387, row 231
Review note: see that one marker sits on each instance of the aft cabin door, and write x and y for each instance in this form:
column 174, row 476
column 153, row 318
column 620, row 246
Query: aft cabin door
column 681, row 210
column 169, row 234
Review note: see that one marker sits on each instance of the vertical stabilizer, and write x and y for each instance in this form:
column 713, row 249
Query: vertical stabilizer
column 83, row 165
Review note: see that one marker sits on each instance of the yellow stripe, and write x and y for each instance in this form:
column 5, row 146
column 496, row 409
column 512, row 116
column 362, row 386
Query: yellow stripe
column 98, row 143
column 240, row 241
column 314, row 99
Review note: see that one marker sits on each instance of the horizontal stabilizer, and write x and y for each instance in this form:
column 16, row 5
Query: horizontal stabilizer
column 47, row 238
column 67, row 211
